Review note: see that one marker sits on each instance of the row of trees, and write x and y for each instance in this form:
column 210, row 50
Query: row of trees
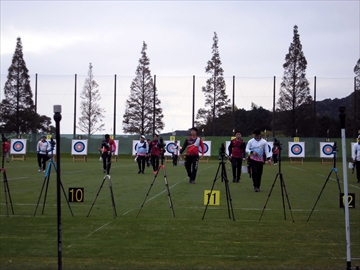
column 18, row 112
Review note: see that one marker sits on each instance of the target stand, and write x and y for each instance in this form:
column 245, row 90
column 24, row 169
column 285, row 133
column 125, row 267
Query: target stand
column 80, row 158
column 18, row 157
column 326, row 161
column 296, row 161
column 204, row 159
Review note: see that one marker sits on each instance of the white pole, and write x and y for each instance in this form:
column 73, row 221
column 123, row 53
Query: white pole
column 342, row 115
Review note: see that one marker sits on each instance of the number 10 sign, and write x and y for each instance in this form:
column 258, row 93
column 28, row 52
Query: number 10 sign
column 212, row 197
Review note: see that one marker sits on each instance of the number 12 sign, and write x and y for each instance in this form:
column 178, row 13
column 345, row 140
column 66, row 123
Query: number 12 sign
column 212, row 197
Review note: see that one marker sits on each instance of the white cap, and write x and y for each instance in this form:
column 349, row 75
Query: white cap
column 142, row 136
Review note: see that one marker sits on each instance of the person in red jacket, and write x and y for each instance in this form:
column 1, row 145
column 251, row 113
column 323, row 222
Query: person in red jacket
column 237, row 156
column 154, row 152
column 192, row 155
column 108, row 148
column 6, row 149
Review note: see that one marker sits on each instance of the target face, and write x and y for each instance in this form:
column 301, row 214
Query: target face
column 327, row 149
column 296, row 149
column 170, row 148
column 18, row 146
column 79, row 147
column 206, row 148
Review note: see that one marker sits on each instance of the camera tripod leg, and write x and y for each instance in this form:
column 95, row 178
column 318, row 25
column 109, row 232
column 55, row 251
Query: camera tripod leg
column 287, row 198
column 112, row 197
column 46, row 190
column 168, row 192
column 327, row 179
column 272, row 187
column 212, row 188
column 7, row 192
column 282, row 194
column 97, row 194
column 227, row 191
column 42, row 189
column 148, row 192
column 67, row 201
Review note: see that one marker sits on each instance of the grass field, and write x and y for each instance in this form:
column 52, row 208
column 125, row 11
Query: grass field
column 155, row 240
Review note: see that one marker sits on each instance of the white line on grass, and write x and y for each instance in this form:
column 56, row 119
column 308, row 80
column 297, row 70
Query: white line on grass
column 165, row 190
column 98, row 229
column 334, row 179
column 17, row 178
column 297, row 168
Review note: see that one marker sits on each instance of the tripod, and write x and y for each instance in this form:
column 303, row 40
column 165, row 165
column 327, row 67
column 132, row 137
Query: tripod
column 162, row 166
column 46, row 181
column 222, row 166
column 282, row 186
column 111, row 194
column 6, row 184
column 334, row 169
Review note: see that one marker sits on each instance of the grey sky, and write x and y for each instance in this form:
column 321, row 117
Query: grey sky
column 62, row 37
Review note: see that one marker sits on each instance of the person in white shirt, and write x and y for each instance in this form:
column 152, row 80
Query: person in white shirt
column 142, row 148
column 175, row 153
column 257, row 149
column 356, row 155
column 42, row 149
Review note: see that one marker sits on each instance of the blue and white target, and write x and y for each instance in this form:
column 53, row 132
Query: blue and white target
column 79, row 147
column 296, row 149
column 170, row 148
column 18, row 146
column 206, row 148
column 327, row 149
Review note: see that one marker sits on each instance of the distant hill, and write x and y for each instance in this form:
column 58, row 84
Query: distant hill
column 330, row 107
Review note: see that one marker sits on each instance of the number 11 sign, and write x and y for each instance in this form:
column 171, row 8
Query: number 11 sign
column 214, row 197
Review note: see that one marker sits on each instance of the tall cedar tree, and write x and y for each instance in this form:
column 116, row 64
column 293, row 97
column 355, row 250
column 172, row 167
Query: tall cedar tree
column 138, row 116
column 91, row 112
column 295, row 99
column 17, row 110
column 215, row 91
column 354, row 108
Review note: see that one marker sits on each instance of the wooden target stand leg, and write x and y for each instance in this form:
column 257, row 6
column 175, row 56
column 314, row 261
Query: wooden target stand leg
column 326, row 161
column 79, row 158
column 18, row 157
column 296, row 161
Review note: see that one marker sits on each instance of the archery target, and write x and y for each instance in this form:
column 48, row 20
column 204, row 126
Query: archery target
column 227, row 144
column 326, row 150
column 117, row 147
column 352, row 150
column 134, row 146
column 270, row 145
column 169, row 148
column 297, row 149
column 79, row 147
column 18, row 146
column 207, row 146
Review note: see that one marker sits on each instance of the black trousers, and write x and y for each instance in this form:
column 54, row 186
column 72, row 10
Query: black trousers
column 42, row 158
column 141, row 163
column 155, row 162
column 257, row 170
column 275, row 158
column 191, row 166
column 357, row 167
column 236, row 164
column 175, row 159
column 106, row 157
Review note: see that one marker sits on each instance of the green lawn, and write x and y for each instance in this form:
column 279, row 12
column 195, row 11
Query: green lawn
column 155, row 240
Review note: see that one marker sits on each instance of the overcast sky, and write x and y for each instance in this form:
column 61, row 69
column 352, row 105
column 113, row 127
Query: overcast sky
column 61, row 38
